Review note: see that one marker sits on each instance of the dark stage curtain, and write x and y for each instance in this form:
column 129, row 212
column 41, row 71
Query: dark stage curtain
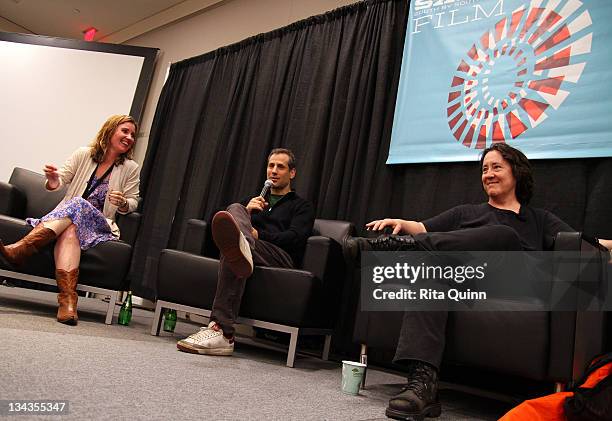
column 324, row 87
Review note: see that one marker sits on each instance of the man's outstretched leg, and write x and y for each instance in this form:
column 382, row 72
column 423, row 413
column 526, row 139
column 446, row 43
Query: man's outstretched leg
column 235, row 266
column 214, row 339
column 232, row 232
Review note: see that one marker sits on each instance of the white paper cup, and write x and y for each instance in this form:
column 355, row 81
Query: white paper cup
column 352, row 374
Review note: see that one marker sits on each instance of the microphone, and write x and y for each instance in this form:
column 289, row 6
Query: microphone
column 266, row 188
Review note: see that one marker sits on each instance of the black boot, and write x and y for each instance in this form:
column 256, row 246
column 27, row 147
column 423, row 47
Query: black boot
column 393, row 242
column 353, row 246
column 419, row 398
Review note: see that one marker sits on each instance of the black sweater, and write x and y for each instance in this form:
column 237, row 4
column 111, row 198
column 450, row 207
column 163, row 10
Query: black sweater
column 287, row 224
column 535, row 227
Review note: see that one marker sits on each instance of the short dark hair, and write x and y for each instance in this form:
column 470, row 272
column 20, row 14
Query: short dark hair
column 287, row 152
column 521, row 169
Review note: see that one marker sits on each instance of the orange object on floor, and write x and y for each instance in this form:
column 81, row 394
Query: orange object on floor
column 550, row 407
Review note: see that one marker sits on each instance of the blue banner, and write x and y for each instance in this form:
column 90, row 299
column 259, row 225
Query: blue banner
column 535, row 74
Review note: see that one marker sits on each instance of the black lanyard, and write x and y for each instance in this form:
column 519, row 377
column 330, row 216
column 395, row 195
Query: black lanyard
column 91, row 186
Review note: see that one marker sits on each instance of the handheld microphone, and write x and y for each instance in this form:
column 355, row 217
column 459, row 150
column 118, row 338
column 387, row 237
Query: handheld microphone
column 266, row 188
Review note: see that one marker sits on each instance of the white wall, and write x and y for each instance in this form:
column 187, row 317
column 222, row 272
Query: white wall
column 229, row 22
column 53, row 100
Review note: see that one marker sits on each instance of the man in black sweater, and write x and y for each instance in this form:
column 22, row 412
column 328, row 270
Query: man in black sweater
column 266, row 231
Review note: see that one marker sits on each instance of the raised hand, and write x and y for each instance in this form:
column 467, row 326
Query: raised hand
column 52, row 176
column 257, row 204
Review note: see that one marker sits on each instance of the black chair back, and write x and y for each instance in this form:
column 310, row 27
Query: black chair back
column 39, row 201
column 337, row 230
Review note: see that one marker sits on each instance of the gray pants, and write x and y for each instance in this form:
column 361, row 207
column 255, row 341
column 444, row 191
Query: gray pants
column 230, row 287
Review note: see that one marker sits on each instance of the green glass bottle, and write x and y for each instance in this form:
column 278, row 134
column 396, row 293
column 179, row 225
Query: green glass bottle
column 125, row 314
column 169, row 320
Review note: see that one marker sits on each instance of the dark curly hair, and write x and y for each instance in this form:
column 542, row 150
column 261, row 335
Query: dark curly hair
column 521, row 169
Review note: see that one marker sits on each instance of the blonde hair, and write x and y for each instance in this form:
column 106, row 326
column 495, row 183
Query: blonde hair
column 102, row 140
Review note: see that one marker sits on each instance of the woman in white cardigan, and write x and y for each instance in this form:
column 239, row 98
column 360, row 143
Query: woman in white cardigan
column 101, row 180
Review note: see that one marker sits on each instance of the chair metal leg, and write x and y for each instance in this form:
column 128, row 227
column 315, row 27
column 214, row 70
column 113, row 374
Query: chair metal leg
column 363, row 359
column 559, row 387
column 156, row 325
column 292, row 348
column 110, row 311
column 326, row 346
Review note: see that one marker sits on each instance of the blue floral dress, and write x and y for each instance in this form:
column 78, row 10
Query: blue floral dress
column 86, row 214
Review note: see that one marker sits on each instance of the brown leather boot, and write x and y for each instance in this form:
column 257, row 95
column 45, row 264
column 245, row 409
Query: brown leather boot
column 67, row 297
column 15, row 254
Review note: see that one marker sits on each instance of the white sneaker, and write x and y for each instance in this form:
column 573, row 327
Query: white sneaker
column 208, row 340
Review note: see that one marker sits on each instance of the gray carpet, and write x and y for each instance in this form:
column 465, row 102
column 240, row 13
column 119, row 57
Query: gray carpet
column 116, row 372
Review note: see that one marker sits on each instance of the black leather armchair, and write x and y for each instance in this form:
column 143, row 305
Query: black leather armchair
column 103, row 268
column 295, row 301
column 543, row 346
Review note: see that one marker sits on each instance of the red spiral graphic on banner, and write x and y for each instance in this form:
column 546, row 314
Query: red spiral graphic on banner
column 517, row 71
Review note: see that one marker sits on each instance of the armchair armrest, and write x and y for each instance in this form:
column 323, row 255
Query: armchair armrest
column 128, row 225
column 567, row 241
column 323, row 258
column 583, row 265
column 317, row 255
column 12, row 201
column 576, row 335
column 194, row 236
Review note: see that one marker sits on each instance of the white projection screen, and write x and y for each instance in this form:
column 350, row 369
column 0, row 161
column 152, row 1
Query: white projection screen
column 56, row 93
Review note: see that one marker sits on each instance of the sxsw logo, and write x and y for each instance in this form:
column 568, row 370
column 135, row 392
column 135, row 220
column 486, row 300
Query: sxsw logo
column 428, row 4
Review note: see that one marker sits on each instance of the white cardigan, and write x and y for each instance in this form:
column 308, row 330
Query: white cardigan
column 125, row 178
